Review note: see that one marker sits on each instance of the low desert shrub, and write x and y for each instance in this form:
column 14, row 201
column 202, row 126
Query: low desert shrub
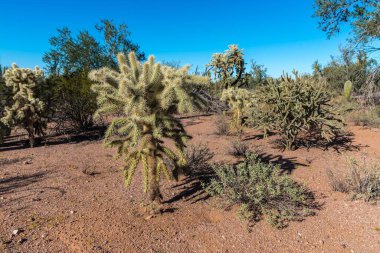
column 296, row 107
column 198, row 158
column 261, row 191
column 222, row 126
column 362, row 180
column 365, row 117
column 238, row 148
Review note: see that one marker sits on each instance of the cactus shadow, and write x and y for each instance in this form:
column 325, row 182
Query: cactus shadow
column 70, row 136
column 11, row 184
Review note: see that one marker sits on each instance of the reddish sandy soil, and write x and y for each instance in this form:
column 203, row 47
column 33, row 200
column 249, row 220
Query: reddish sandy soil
column 58, row 208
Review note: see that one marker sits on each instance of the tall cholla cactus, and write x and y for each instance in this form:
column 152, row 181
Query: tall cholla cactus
column 228, row 67
column 239, row 100
column 347, row 91
column 144, row 97
column 26, row 110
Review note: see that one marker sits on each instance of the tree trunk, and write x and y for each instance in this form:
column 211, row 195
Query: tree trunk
column 31, row 135
column 154, row 194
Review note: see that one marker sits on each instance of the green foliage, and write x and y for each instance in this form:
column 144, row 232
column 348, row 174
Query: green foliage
column 348, row 66
column 229, row 67
column 293, row 106
column 261, row 191
column 362, row 180
column 239, row 101
column 74, row 102
column 347, row 90
column 363, row 17
column 257, row 76
column 69, row 61
column 27, row 110
column 83, row 52
column 144, row 98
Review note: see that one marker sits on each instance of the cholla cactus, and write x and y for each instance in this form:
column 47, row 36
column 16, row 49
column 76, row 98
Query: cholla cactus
column 144, row 96
column 297, row 105
column 347, row 90
column 228, row 67
column 239, row 101
column 26, row 110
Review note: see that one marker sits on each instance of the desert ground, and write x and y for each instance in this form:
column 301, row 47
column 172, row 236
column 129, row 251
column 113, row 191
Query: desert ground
column 68, row 195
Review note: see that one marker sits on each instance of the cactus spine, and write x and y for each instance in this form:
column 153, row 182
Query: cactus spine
column 27, row 110
column 145, row 96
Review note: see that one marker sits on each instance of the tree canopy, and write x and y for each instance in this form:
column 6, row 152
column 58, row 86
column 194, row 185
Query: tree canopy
column 85, row 52
column 363, row 16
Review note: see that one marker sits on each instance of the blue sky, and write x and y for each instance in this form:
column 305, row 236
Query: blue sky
column 282, row 35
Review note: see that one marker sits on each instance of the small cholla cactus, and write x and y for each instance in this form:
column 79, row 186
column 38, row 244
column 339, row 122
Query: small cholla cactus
column 144, row 98
column 239, row 101
column 27, row 110
column 228, row 67
column 347, row 91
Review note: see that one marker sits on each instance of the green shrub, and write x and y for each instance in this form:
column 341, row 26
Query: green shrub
column 74, row 101
column 261, row 191
column 295, row 106
column 361, row 180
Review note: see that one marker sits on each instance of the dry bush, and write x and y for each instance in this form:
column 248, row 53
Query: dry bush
column 222, row 126
column 198, row 159
column 238, row 148
column 362, row 180
column 365, row 117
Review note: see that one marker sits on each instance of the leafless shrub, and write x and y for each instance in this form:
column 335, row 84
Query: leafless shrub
column 222, row 127
column 198, row 159
column 238, row 148
column 362, row 180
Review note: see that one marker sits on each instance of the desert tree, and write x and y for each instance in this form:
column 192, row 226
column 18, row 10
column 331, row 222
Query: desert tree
column 363, row 17
column 69, row 60
column 27, row 110
column 143, row 98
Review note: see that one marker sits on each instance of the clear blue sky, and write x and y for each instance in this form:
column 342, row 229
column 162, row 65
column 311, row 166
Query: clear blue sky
column 282, row 35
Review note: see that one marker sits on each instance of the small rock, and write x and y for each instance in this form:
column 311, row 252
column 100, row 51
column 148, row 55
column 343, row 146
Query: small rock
column 149, row 217
column 28, row 162
column 72, row 212
column 322, row 242
column 16, row 232
column 22, row 240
